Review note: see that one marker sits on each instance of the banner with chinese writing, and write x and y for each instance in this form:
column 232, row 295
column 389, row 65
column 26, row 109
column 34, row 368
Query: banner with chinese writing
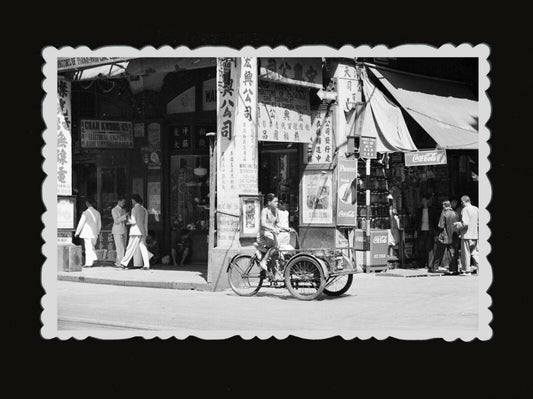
column 237, row 168
column 64, row 138
column 368, row 147
column 346, row 194
column 106, row 134
column 322, row 143
column 424, row 158
column 296, row 71
column 284, row 113
column 317, row 197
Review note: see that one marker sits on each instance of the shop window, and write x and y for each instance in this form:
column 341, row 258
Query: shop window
column 189, row 191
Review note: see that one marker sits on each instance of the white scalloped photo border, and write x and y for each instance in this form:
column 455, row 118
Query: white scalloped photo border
column 49, row 315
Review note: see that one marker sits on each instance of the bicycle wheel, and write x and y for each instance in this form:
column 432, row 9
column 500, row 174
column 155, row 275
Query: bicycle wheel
column 304, row 278
column 244, row 275
column 338, row 285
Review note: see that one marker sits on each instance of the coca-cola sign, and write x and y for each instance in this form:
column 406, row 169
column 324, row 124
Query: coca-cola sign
column 380, row 239
column 423, row 158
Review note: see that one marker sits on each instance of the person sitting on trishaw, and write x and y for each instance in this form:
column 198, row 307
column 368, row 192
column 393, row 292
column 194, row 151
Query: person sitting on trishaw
column 269, row 230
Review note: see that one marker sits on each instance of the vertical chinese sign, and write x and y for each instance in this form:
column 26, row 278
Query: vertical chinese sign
column 64, row 145
column 236, row 143
column 321, row 147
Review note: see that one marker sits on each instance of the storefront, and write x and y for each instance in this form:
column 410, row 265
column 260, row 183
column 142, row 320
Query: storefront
column 263, row 145
column 142, row 126
column 277, row 135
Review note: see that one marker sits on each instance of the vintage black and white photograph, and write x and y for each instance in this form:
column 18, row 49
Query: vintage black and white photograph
column 313, row 192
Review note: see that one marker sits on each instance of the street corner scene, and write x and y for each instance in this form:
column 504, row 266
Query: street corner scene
column 251, row 194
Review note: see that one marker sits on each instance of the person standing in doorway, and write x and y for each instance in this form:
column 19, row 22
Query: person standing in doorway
column 425, row 227
column 469, row 226
column 138, row 233
column 89, row 228
column 119, row 228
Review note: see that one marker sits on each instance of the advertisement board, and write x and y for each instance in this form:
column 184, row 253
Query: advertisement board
column 346, row 192
column 317, row 197
column 425, row 158
column 106, row 134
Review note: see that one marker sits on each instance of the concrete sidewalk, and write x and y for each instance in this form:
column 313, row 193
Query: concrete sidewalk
column 190, row 277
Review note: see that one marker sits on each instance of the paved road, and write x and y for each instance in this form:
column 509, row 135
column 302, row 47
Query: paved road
column 373, row 303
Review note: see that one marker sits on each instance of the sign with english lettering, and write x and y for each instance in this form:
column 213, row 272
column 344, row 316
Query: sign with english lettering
column 424, row 158
column 106, row 134
column 346, row 194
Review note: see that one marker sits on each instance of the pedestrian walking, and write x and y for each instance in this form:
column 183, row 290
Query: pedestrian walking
column 138, row 232
column 425, row 230
column 469, row 226
column 89, row 228
column 447, row 244
column 119, row 228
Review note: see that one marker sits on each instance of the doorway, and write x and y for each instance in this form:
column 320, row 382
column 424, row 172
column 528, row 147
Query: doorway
column 279, row 173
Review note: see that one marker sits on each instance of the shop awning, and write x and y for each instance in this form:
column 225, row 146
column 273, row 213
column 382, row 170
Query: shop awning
column 446, row 110
column 382, row 119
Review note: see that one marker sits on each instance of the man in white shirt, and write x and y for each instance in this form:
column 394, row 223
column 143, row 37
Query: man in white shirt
column 119, row 228
column 469, row 226
column 89, row 228
column 138, row 233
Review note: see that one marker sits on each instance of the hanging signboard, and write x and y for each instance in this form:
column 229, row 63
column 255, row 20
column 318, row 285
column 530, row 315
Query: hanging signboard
column 346, row 194
column 106, row 134
column 64, row 139
column 317, row 197
column 296, row 71
column 284, row 113
column 368, row 147
column 424, row 158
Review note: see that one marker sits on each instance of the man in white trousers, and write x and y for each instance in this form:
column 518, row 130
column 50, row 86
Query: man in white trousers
column 119, row 228
column 89, row 228
column 138, row 233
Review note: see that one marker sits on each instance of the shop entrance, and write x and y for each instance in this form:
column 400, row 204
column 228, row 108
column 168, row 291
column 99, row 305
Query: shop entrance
column 189, row 202
column 279, row 173
column 103, row 179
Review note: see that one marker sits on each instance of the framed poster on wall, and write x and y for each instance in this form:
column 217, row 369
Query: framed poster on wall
column 66, row 211
column 250, row 215
column 317, row 197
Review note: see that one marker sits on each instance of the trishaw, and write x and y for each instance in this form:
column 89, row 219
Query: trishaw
column 306, row 273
